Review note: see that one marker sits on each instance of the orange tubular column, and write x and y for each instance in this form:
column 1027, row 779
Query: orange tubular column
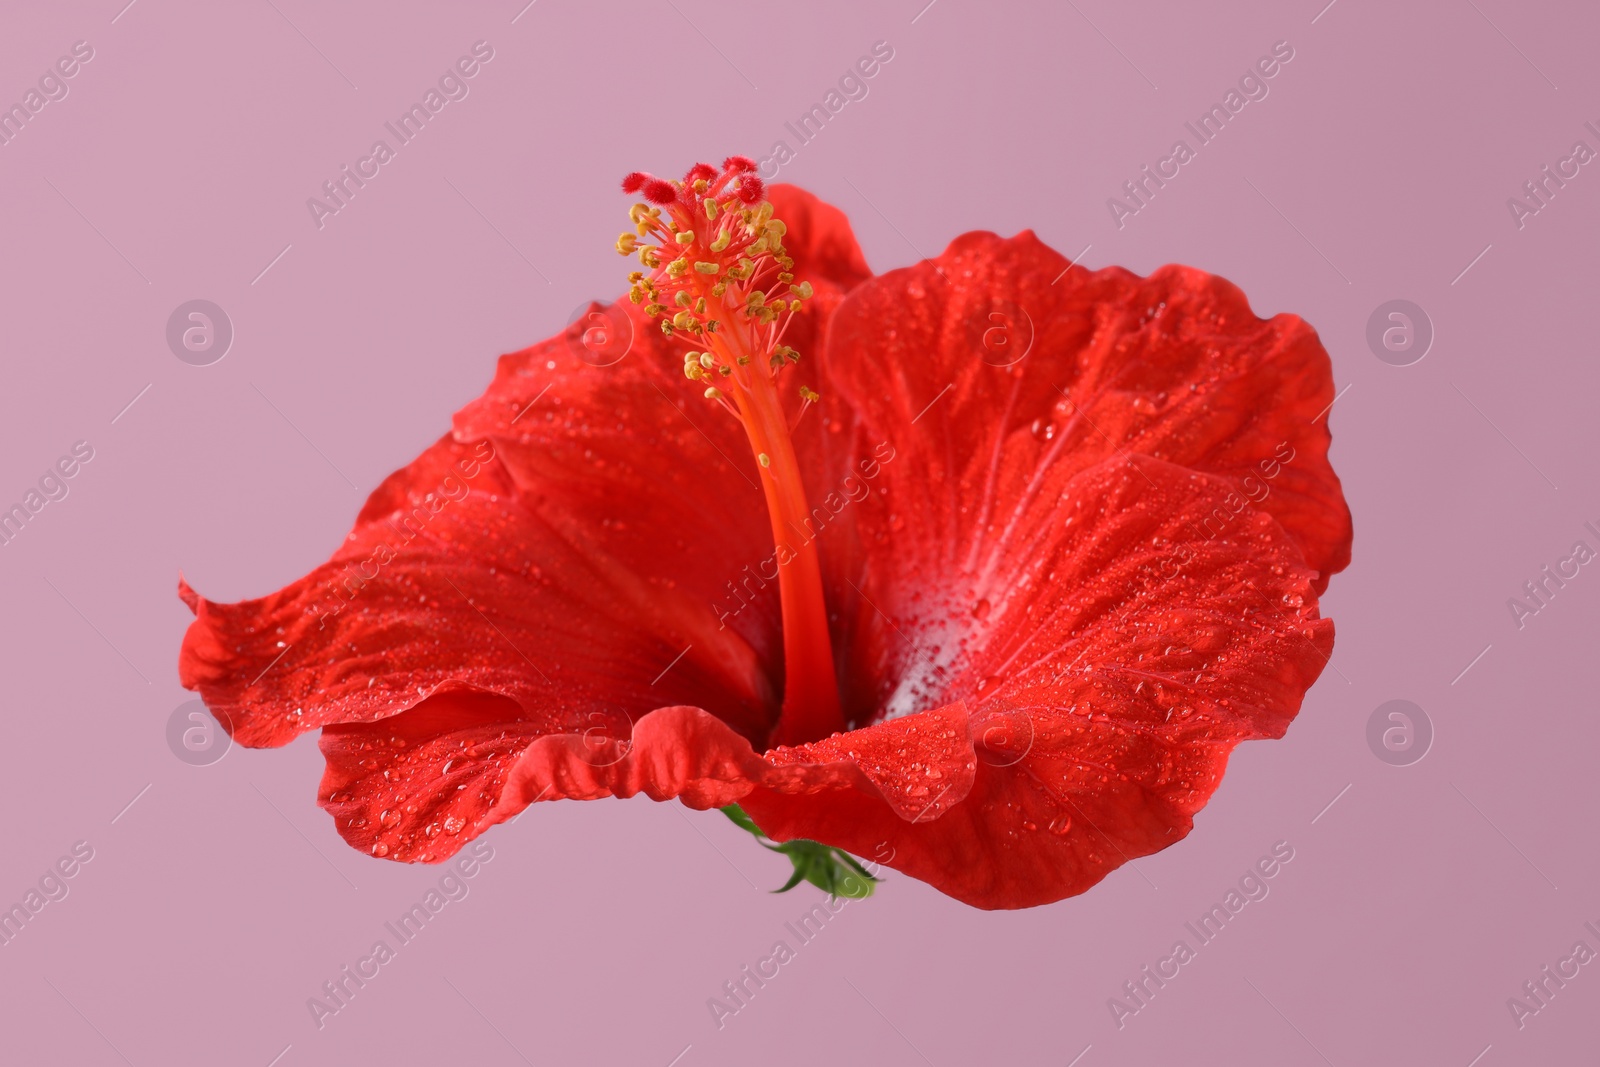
column 720, row 282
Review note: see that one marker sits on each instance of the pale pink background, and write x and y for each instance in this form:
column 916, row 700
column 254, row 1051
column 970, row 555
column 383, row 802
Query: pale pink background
column 191, row 142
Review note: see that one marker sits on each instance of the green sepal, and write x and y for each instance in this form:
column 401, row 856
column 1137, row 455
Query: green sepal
column 832, row 870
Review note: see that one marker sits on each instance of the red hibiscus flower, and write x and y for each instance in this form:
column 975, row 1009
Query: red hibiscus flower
column 993, row 615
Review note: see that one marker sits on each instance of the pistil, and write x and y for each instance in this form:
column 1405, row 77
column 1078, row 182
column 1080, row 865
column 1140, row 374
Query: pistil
column 720, row 282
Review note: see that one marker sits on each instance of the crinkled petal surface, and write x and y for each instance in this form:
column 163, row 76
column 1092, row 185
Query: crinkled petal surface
column 1100, row 516
column 1073, row 527
column 549, row 570
column 1104, row 688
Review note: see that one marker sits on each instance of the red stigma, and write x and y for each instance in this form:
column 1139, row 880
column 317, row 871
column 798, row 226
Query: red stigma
column 751, row 188
column 739, row 164
column 699, row 171
column 634, row 181
column 659, row 192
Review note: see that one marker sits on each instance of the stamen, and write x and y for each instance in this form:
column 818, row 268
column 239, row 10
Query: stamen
column 728, row 307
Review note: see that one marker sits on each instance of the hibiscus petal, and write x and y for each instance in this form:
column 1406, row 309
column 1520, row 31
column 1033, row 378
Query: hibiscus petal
column 418, row 786
column 819, row 239
column 1008, row 553
column 1011, row 365
column 1123, row 655
column 563, row 564
column 467, row 569
column 421, row 784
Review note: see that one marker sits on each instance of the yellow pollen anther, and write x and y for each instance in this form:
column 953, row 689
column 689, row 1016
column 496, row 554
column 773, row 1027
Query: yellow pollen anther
column 700, row 306
column 707, row 360
column 776, row 229
column 683, row 299
column 627, row 244
column 713, row 393
column 803, row 290
column 706, row 268
column 711, row 209
column 809, row 395
column 765, row 460
column 677, row 267
column 701, row 185
column 683, row 320
column 721, row 243
column 686, row 237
